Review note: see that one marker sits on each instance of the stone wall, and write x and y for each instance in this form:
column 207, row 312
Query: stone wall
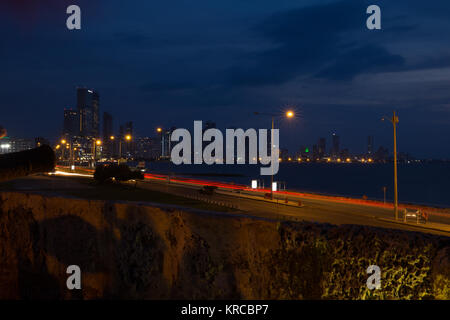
column 131, row 250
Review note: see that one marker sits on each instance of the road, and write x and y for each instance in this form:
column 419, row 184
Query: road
column 320, row 209
column 315, row 208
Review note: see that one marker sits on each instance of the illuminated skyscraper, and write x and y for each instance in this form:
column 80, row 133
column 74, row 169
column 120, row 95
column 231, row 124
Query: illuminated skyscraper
column 71, row 123
column 370, row 145
column 88, row 105
column 322, row 147
column 335, row 145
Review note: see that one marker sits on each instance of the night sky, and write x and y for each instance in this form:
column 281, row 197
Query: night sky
column 168, row 63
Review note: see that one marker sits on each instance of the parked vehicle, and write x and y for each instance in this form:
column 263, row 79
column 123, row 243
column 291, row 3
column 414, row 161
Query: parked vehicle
column 414, row 214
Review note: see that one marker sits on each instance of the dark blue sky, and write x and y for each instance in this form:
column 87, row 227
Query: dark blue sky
column 168, row 63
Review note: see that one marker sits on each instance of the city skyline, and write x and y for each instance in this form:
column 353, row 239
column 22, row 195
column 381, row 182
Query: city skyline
column 85, row 122
column 165, row 65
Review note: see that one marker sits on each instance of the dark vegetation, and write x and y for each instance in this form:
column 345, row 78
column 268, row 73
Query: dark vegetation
column 21, row 164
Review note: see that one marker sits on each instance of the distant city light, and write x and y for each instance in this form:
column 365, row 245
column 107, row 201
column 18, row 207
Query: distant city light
column 290, row 114
column 254, row 184
column 274, row 186
column 5, row 146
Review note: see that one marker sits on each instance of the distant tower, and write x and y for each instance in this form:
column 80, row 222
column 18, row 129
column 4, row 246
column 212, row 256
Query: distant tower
column 166, row 143
column 129, row 127
column 322, row 147
column 335, row 145
column 370, row 145
column 107, row 126
column 71, row 124
column 88, row 106
column 108, row 144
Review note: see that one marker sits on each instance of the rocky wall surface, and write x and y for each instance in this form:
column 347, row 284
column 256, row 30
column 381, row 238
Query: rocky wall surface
column 145, row 251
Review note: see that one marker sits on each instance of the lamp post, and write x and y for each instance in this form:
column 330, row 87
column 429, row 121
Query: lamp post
column 63, row 144
column 127, row 138
column 96, row 142
column 394, row 121
column 289, row 114
column 160, row 130
column 112, row 147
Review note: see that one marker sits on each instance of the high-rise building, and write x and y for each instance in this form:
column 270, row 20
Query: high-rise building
column 335, row 145
column 9, row 145
column 107, row 126
column 88, row 106
column 147, row 148
column 108, row 144
column 166, row 144
column 71, row 123
column 370, row 145
column 129, row 127
column 128, row 146
column 322, row 147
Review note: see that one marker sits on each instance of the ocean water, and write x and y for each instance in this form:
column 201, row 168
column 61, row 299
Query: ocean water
column 419, row 183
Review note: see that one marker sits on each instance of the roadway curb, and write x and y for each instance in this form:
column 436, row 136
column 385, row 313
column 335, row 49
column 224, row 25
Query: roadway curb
column 246, row 196
column 412, row 225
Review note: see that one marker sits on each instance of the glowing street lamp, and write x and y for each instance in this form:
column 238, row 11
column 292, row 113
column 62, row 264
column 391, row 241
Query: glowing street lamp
column 128, row 137
column 289, row 114
column 394, row 121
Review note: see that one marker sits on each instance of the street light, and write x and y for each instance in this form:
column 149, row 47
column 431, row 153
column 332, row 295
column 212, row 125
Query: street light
column 63, row 142
column 160, row 130
column 289, row 114
column 128, row 137
column 95, row 143
column 394, row 121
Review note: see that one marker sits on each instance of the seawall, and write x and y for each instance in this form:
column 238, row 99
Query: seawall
column 147, row 251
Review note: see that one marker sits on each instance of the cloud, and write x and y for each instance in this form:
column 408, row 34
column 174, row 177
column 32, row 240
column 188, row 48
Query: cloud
column 364, row 59
column 309, row 39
